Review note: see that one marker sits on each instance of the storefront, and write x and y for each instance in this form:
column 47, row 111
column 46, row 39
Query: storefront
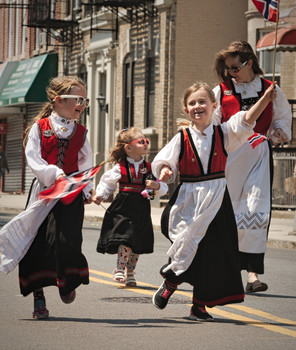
column 22, row 93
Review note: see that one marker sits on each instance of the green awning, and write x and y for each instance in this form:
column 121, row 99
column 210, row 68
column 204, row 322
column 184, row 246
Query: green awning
column 29, row 80
column 6, row 72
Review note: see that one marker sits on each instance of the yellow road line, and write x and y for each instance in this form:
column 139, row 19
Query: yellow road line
column 253, row 322
column 260, row 313
column 215, row 310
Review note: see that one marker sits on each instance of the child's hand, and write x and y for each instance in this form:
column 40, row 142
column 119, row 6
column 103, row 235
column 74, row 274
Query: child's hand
column 152, row 185
column 60, row 176
column 165, row 173
column 270, row 93
column 97, row 199
column 88, row 200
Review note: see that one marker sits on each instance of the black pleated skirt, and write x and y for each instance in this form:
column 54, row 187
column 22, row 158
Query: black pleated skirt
column 127, row 222
column 55, row 257
column 215, row 269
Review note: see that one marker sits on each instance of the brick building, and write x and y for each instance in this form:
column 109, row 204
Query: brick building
column 137, row 56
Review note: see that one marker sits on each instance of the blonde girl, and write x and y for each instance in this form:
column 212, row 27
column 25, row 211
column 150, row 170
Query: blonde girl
column 199, row 218
column 49, row 249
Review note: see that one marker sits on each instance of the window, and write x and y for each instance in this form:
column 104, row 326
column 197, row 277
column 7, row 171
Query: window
column 128, row 93
column 150, row 92
column 266, row 62
column 82, row 74
column 68, row 8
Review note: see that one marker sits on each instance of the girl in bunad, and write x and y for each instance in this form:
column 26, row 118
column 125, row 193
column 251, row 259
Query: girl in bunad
column 249, row 169
column 199, row 219
column 56, row 146
column 127, row 227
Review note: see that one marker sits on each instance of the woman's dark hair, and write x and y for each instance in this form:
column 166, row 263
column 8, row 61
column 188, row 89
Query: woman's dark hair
column 237, row 48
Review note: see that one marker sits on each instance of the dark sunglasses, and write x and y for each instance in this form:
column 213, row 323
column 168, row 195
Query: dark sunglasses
column 235, row 69
column 140, row 141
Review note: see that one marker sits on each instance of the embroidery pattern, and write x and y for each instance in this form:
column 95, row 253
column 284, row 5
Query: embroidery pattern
column 252, row 220
column 63, row 145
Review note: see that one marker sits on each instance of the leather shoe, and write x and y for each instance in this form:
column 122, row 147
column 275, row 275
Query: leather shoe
column 256, row 286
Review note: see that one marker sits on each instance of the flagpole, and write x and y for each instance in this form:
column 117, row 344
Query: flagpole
column 105, row 208
column 275, row 39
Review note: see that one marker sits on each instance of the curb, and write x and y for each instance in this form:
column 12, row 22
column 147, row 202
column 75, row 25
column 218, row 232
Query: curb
column 274, row 243
column 271, row 243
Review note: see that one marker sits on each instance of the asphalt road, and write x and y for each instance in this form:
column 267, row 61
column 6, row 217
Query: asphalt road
column 107, row 315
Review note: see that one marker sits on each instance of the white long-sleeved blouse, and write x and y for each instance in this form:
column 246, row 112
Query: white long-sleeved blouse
column 197, row 202
column 281, row 110
column 47, row 173
column 110, row 178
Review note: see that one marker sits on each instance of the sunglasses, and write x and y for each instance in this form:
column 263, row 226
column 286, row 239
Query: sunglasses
column 140, row 141
column 235, row 69
column 80, row 100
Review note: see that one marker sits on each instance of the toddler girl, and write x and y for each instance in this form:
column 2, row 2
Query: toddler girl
column 127, row 227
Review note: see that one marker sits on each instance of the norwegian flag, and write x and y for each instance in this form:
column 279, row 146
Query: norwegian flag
column 67, row 188
column 268, row 8
column 256, row 139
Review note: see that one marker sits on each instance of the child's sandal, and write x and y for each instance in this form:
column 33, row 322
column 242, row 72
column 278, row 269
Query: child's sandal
column 119, row 276
column 130, row 280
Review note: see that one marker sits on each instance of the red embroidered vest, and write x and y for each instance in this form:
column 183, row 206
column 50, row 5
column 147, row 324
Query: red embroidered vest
column 61, row 152
column 190, row 166
column 129, row 182
column 231, row 103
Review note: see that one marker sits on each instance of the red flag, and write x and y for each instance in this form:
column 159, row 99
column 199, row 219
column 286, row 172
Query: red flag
column 67, row 188
column 268, row 8
column 256, row 139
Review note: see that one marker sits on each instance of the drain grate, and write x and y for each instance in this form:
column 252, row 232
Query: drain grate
column 143, row 300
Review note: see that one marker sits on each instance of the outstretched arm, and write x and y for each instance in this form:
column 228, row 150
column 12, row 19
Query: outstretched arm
column 255, row 111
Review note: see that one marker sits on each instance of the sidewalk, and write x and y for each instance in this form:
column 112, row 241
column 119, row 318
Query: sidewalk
column 281, row 222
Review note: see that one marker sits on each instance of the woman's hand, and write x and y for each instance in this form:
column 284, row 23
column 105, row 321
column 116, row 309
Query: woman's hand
column 271, row 92
column 279, row 136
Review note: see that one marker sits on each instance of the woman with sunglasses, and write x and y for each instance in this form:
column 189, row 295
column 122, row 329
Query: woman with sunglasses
column 49, row 234
column 249, row 170
column 127, row 227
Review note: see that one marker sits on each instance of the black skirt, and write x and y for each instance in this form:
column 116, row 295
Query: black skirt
column 55, row 256
column 252, row 262
column 127, row 222
column 215, row 269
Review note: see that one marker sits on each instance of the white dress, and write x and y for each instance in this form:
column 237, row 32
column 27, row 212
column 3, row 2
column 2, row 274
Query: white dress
column 17, row 236
column 197, row 203
column 248, row 172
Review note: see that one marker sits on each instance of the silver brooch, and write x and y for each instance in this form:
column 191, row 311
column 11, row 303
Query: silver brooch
column 47, row 133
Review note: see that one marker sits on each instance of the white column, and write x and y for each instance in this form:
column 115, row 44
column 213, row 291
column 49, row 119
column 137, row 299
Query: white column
column 92, row 122
column 110, row 98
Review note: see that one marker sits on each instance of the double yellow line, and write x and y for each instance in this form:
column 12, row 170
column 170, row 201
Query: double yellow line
column 270, row 326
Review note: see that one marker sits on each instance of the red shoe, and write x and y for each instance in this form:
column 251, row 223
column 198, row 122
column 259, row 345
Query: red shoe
column 69, row 298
